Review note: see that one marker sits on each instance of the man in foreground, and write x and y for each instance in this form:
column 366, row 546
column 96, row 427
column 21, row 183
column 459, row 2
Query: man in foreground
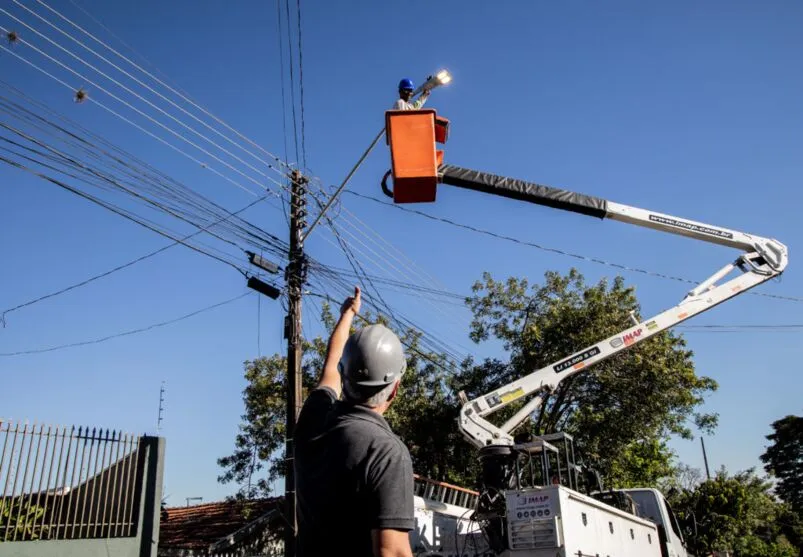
column 354, row 476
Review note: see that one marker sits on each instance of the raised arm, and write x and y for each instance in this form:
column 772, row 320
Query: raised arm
column 331, row 375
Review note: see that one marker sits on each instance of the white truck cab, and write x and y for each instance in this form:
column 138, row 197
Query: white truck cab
column 651, row 505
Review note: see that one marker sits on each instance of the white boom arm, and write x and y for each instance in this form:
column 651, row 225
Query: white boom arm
column 764, row 259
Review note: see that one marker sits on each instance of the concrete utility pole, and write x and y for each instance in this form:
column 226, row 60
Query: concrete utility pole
column 296, row 275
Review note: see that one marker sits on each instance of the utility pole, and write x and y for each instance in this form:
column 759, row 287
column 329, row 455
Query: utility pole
column 296, row 276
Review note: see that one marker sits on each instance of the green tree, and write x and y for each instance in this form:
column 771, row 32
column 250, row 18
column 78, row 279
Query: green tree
column 784, row 460
column 623, row 410
column 735, row 513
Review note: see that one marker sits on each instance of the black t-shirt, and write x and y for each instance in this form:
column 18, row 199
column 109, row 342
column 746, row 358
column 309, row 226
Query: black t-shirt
column 352, row 475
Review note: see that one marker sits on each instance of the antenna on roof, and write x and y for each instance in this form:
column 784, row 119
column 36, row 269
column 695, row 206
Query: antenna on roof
column 161, row 408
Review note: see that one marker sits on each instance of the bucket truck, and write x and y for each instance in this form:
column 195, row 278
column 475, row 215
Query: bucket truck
column 521, row 511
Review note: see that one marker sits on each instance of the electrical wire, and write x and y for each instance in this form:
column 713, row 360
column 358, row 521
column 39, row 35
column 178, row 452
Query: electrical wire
column 385, row 262
column 783, row 326
column 184, row 97
column 552, row 250
column 145, row 176
column 94, row 173
column 160, row 139
column 405, row 343
column 402, row 323
column 407, row 287
column 301, row 88
column 285, row 202
column 128, row 121
column 787, row 328
column 292, row 78
column 140, row 112
column 125, row 333
column 109, row 272
column 127, row 74
column 121, row 41
column 115, row 209
column 364, row 229
column 192, row 158
column 98, row 175
column 450, row 315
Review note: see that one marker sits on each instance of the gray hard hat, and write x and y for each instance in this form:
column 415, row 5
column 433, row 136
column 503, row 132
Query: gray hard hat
column 372, row 358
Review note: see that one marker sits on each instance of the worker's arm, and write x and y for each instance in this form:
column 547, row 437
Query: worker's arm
column 391, row 543
column 331, row 375
column 401, row 104
column 421, row 100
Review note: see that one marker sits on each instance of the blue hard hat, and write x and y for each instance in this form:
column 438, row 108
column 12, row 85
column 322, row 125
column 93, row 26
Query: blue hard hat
column 406, row 83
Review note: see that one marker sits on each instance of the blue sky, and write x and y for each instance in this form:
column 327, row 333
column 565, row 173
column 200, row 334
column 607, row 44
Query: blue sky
column 692, row 109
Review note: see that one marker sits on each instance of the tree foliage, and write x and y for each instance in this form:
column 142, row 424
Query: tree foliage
column 20, row 520
column 737, row 514
column 784, row 460
column 622, row 411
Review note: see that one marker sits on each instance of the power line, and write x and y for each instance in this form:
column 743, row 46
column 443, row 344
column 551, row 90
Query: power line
column 384, row 265
column 443, row 347
column 121, row 70
column 186, row 98
column 114, row 209
column 292, row 78
column 118, row 115
column 406, row 344
column 62, row 158
column 284, row 101
column 363, row 276
column 301, row 87
column 126, row 333
column 414, row 268
column 117, row 37
column 391, row 282
column 734, row 331
column 402, row 322
column 281, row 74
column 551, row 250
column 143, row 114
column 142, row 172
column 110, row 271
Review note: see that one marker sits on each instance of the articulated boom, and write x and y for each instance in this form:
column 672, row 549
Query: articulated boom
column 480, row 432
column 417, row 169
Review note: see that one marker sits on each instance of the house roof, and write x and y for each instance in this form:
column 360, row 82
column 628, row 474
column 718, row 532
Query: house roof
column 199, row 526
column 222, row 523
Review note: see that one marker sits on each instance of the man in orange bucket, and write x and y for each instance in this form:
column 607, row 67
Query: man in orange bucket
column 406, row 89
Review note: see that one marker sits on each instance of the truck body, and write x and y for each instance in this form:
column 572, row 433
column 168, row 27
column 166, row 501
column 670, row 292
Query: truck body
column 552, row 521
